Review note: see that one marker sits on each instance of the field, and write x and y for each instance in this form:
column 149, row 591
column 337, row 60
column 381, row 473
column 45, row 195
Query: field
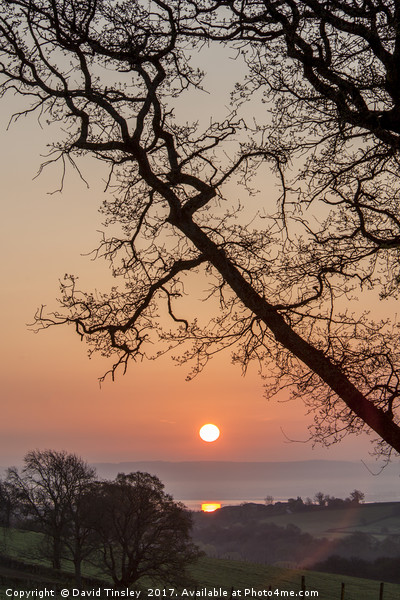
column 209, row 573
column 242, row 575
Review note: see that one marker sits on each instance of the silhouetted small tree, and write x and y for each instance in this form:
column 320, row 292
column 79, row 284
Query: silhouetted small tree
column 320, row 498
column 48, row 490
column 141, row 531
column 357, row 497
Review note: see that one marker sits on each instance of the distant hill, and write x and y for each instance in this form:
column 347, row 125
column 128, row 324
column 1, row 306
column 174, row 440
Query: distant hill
column 376, row 519
column 224, row 480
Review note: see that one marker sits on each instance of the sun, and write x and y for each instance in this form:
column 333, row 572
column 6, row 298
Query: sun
column 209, row 432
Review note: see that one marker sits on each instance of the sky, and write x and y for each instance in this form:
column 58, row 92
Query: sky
column 50, row 394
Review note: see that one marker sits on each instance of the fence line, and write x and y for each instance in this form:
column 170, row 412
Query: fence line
column 234, row 596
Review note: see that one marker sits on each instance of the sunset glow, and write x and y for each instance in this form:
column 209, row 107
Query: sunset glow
column 151, row 413
column 210, row 506
column 209, row 432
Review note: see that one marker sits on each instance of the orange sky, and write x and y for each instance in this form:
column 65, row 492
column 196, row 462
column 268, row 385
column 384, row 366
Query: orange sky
column 50, row 393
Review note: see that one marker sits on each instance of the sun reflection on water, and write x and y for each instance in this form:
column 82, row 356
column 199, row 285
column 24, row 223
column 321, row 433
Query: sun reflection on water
column 210, row 506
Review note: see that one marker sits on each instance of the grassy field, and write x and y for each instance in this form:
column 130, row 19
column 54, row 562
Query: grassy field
column 26, row 546
column 209, row 573
column 242, row 575
column 377, row 519
column 21, row 544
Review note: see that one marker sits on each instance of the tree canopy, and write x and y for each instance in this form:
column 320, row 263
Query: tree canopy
column 283, row 278
column 141, row 531
column 48, row 490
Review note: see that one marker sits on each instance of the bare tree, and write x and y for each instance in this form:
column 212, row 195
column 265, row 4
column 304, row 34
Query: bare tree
column 110, row 73
column 78, row 536
column 357, row 497
column 320, row 497
column 49, row 489
column 6, row 504
column 141, row 531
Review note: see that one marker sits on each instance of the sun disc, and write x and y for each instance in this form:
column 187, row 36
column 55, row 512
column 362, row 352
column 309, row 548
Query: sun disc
column 209, row 432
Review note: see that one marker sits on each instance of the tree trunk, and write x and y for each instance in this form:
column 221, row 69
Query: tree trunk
column 313, row 358
column 57, row 551
column 77, row 559
column 78, row 571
